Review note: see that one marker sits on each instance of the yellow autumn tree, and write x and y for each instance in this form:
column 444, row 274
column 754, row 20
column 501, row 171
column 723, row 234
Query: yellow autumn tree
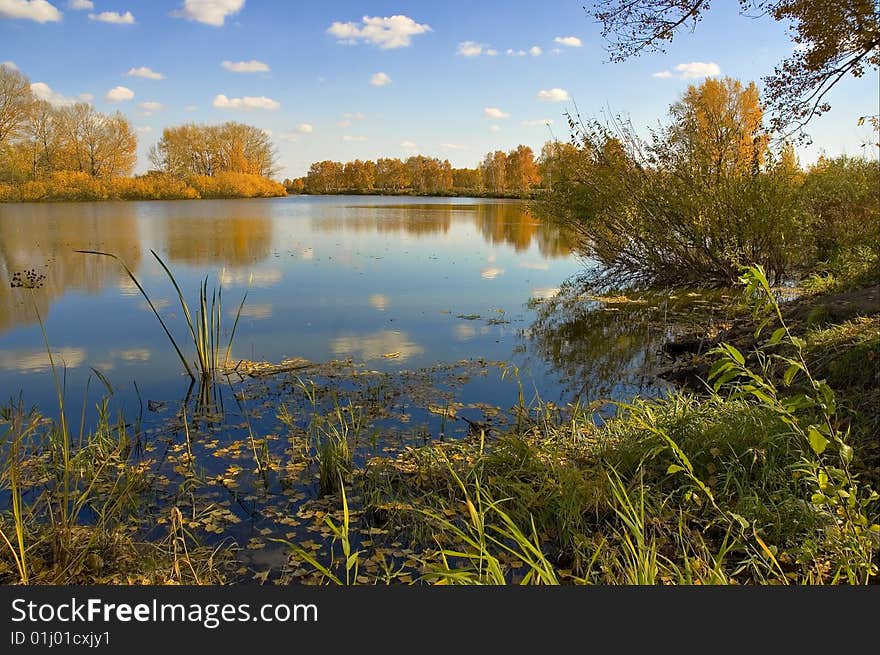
column 521, row 171
column 15, row 100
column 717, row 130
column 193, row 149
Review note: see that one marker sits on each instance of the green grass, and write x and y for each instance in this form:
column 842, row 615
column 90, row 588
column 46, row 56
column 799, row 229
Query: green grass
column 853, row 269
column 334, row 435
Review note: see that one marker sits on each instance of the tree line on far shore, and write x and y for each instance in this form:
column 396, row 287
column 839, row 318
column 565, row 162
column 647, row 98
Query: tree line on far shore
column 515, row 173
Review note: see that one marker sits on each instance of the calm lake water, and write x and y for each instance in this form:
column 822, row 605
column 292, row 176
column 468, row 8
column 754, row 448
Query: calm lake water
column 426, row 317
column 392, row 282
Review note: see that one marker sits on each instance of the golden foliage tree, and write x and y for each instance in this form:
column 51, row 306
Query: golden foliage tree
column 521, row 172
column 193, row 149
column 38, row 140
column 494, row 171
column 500, row 173
column 717, row 129
column 15, row 98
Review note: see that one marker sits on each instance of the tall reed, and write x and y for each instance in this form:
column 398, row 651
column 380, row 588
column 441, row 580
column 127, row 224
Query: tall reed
column 204, row 326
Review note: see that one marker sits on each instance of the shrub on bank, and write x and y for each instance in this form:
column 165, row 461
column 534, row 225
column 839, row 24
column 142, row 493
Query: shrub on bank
column 152, row 186
column 840, row 201
column 78, row 186
column 235, row 185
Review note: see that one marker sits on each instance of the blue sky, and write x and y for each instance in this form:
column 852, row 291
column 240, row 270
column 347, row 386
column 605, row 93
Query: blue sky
column 311, row 73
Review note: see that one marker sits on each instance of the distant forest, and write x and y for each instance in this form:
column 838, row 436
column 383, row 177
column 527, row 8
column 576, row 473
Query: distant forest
column 515, row 173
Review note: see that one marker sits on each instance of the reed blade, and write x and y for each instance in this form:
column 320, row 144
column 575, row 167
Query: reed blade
column 149, row 302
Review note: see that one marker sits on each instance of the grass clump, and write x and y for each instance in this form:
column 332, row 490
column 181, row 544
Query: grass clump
column 73, row 514
column 76, row 500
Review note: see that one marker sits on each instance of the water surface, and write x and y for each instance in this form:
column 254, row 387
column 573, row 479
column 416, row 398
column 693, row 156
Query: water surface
column 393, row 282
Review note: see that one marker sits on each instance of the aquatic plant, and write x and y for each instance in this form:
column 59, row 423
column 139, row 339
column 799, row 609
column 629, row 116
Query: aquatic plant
column 204, row 327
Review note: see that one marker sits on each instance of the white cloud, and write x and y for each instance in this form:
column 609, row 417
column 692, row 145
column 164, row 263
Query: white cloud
column 145, row 72
column 556, row 51
column 119, row 94
column 80, row 4
column 494, row 113
column 354, row 139
column 535, row 51
column 474, row 49
column 209, row 12
column 348, row 118
column 570, row 41
column 293, row 137
column 470, row 49
column 545, row 293
column 491, row 272
column 452, row 146
column 494, row 128
column 40, row 11
column 377, row 345
column 246, row 103
column 151, row 106
column 132, row 354
column 380, row 79
column 537, row 121
column 463, row 331
column 9, row 64
column 146, row 129
column 252, row 66
column 697, row 69
column 85, row 97
column 409, row 145
column 190, row 108
column 255, row 312
column 44, row 92
column 304, row 128
column 801, row 47
column 264, row 279
column 113, row 17
column 554, row 95
column 692, row 70
column 31, row 361
column 386, row 33
column 379, row 301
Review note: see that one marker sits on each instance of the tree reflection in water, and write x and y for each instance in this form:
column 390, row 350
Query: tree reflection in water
column 40, row 237
column 499, row 223
column 611, row 346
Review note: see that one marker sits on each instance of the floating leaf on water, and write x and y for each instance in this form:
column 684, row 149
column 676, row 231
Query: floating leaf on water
column 448, row 411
